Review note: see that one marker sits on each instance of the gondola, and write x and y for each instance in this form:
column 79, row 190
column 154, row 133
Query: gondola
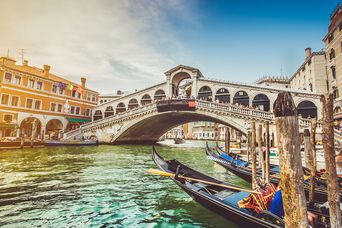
column 218, row 199
column 243, row 169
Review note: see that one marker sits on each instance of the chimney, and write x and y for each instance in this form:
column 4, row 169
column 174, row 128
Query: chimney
column 307, row 52
column 46, row 70
column 83, row 82
column 25, row 63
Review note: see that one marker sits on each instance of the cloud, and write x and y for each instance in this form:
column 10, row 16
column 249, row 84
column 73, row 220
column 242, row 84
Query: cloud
column 116, row 44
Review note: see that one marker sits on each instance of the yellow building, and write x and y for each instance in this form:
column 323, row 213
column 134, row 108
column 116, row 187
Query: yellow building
column 35, row 102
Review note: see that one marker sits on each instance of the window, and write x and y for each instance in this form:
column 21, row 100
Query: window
column 61, row 91
column 73, row 93
column 54, row 89
column 39, row 85
column 59, row 108
column 37, row 104
column 8, row 118
column 88, row 112
column 330, row 38
column 335, row 94
column 72, row 109
column 15, row 101
column 79, row 95
column 93, row 98
column 333, row 72
column 53, row 107
column 77, row 110
column 332, row 54
column 311, row 89
column 29, row 103
column 4, row 99
column 17, row 80
column 8, row 77
column 31, row 83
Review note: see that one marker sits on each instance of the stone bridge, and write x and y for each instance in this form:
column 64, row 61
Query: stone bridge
column 135, row 117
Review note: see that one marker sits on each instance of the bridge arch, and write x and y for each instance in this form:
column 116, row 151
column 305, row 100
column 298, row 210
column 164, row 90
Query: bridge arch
column 159, row 95
column 97, row 115
column 139, row 129
column 146, row 99
column 261, row 102
column 109, row 111
column 177, row 80
column 133, row 103
column 205, row 93
column 241, row 98
column 121, row 107
column 222, row 95
column 307, row 109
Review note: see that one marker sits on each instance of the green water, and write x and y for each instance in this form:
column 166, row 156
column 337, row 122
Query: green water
column 100, row 186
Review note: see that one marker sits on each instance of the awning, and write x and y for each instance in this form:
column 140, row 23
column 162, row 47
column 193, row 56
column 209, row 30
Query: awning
column 6, row 125
column 77, row 120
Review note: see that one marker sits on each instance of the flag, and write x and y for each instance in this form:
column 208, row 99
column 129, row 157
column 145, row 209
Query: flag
column 70, row 87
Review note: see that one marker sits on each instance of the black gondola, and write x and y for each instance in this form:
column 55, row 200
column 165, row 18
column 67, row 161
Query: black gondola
column 222, row 200
column 218, row 199
column 243, row 169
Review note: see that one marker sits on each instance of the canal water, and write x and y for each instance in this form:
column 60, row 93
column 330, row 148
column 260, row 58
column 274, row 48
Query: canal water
column 101, row 186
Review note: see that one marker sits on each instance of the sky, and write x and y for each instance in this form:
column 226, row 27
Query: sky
column 129, row 44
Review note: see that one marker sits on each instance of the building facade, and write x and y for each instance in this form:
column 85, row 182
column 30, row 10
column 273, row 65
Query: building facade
column 37, row 103
column 274, row 81
column 311, row 75
column 333, row 44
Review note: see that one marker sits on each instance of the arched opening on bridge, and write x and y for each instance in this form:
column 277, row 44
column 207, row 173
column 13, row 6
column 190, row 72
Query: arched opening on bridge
column 133, row 103
column 261, row 102
column 31, row 126
column 307, row 109
column 109, row 111
column 181, row 84
column 241, row 98
column 222, row 96
column 146, row 99
column 159, row 95
column 337, row 110
column 121, row 107
column 54, row 129
column 98, row 115
column 205, row 93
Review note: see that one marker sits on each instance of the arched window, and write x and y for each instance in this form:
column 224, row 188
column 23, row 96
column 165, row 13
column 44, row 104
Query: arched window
column 98, row 115
column 109, row 111
column 205, row 93
column 307, row 109
column 121, row 107
column 222, row 96
column 261, row 102
column 241, row 98
column 159, row 95
column 146, row 99
column 133, row 103
column 310, row 85
column 332, row 54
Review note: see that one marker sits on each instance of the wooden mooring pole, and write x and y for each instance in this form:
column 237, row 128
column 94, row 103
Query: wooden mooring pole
column 312, row 161
column 307, row 148
column 248, row 144
column 261, row 153
column 329, row 157
column 227, row 140
column 291, row 171
column 267, row 142
column 253, row 154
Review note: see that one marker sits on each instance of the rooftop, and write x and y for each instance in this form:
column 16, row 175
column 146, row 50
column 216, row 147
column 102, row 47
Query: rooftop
column 35, row 71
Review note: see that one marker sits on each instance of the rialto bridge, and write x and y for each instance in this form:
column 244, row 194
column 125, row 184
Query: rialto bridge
column 138, row 117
